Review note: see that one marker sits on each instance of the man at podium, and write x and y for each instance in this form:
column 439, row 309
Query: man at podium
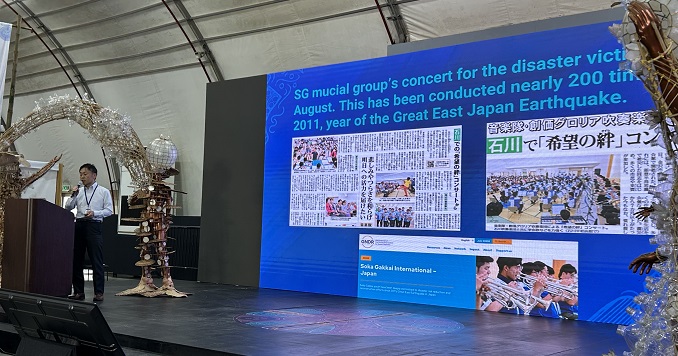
column 93, row 203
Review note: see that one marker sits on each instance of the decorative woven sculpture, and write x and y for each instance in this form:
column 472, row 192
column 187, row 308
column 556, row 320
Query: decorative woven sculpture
column 649, row 36
column 110, row 129
column 155, row 205
column 114, row 133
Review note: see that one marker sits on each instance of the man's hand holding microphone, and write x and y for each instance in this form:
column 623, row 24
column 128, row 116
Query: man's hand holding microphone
column 75, row 190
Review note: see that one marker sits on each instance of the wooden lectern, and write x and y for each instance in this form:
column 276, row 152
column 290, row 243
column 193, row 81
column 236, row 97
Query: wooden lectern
column 38, row 247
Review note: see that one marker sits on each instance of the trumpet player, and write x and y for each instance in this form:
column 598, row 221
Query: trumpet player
column 543, row 268
column 483, row 264
column 534, row 275
column 482, row 270
column 569, row 308
column 509, row 271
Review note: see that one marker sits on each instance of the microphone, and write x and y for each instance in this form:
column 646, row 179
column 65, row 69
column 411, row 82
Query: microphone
column 77, row 191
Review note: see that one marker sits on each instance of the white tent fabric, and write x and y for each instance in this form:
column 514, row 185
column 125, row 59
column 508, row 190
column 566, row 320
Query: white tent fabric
column 133, row 57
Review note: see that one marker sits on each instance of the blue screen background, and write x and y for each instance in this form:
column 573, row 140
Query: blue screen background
column 325, row 260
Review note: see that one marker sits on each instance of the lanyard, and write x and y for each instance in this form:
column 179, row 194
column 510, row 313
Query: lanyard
column 88, row 201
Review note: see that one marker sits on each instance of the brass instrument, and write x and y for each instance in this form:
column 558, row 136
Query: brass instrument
column 553, row 286
column 513, row 297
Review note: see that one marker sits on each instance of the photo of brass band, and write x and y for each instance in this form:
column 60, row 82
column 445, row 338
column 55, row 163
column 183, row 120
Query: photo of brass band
column 527, row 288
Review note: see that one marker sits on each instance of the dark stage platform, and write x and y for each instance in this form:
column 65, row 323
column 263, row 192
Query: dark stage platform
column 225, row 319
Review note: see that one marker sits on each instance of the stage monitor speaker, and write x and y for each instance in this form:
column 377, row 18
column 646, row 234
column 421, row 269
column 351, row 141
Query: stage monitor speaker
column 58, row 326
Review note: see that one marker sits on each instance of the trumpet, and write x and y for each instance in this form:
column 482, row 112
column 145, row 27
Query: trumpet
column 512, row 297
column 552, row 286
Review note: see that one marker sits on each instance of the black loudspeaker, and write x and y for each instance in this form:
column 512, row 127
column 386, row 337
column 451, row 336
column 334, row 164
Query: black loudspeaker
column 565, row 214
column 494, row 208
column 58, row 326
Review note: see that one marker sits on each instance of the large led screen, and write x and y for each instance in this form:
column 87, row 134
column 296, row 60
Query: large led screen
column 500, row 175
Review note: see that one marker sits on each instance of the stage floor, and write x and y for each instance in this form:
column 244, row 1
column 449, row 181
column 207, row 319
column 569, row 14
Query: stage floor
column 226, row 319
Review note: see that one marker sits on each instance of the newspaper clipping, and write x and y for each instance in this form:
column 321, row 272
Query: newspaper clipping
column 581, row 174
column 408, row 179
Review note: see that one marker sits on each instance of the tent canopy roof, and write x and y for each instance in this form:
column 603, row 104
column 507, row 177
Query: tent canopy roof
column 151, row 59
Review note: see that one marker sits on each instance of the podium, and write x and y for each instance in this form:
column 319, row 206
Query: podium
column 38, row 247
